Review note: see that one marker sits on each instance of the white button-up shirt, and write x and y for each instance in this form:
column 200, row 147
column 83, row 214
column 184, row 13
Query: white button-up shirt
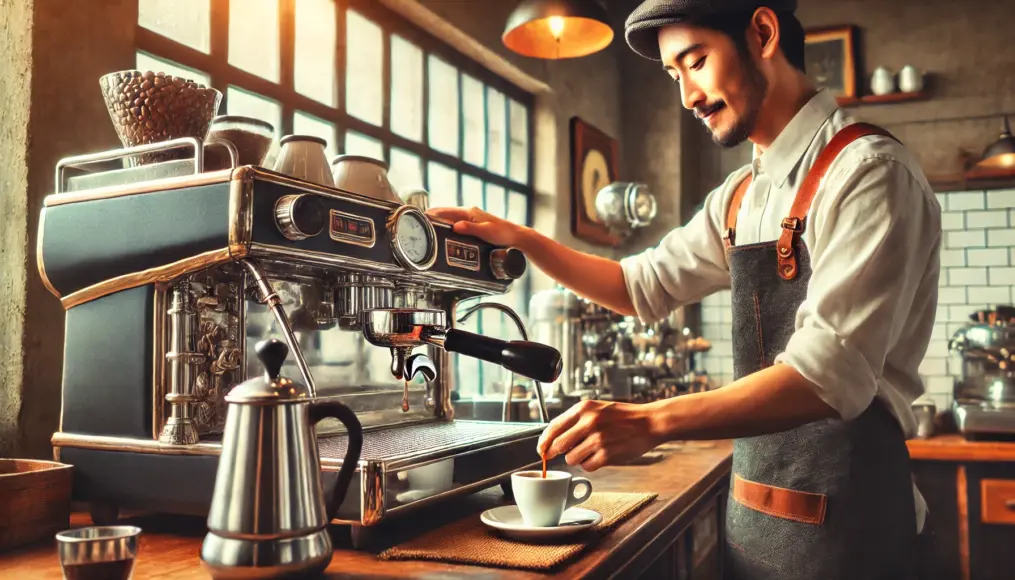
column 873, row 233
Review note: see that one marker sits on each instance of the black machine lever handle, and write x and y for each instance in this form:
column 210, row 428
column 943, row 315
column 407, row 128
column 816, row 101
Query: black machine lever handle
column 530, row 359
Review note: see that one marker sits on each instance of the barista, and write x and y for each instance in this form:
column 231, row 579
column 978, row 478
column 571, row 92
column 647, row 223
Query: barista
column 829, row 240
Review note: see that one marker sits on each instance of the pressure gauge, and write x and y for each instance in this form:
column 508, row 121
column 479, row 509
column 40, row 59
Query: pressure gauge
column 413, row 239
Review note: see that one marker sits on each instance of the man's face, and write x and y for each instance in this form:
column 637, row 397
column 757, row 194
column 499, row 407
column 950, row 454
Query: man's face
column 724, row 87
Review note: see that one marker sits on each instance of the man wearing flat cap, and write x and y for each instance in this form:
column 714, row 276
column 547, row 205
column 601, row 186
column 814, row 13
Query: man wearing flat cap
column 829, row 240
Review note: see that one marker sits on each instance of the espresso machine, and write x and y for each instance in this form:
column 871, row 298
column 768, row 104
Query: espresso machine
column 169, row 275
column 984, row 396
column 609, row 356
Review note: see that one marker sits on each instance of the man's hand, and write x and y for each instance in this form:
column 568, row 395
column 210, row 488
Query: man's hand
column 476, row 222
column 597, row 433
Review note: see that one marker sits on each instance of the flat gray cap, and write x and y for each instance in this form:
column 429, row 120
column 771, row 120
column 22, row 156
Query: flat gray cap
column 642, row 26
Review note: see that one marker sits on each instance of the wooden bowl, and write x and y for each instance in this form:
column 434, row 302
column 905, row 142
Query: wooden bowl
column 34, row 500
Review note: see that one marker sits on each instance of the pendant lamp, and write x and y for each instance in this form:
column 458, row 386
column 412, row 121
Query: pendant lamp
column 1001, row 153
column 556, row 29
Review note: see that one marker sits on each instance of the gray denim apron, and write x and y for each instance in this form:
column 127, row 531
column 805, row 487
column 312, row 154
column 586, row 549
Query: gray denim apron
column 829, row 500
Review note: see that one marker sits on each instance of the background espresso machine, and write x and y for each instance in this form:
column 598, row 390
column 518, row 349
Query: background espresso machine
column 169, row 282
column 610, row 356
column 984, row 396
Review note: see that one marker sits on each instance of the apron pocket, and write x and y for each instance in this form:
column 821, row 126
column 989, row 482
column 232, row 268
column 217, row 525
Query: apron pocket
column 780, row 502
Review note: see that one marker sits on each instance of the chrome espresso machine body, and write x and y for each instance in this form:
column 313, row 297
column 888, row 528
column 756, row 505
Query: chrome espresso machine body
column 984, row 396
column 169, row 282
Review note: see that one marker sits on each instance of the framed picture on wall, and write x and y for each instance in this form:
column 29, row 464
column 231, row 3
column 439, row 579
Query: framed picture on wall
column 830, row 59
column 594, row 161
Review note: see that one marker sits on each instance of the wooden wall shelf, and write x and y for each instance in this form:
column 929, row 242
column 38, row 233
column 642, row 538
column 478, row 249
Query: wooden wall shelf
column 974, row 179
column 890, row 98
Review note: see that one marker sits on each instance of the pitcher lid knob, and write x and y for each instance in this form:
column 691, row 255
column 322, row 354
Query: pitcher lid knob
column 271, row 387
column 271, row 353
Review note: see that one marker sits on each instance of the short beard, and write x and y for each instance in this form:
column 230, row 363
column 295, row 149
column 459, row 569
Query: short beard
column 756, row 87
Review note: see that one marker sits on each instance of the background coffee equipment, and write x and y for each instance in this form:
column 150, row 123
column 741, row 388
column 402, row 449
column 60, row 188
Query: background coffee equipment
column 610, row 356
column 984, row 396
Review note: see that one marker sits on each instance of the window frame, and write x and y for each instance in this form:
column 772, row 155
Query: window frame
column 216, row 65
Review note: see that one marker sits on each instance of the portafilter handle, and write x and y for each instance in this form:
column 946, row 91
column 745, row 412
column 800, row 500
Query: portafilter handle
column 533, row 360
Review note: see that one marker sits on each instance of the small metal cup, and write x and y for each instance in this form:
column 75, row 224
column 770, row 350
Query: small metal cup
column 100, row 551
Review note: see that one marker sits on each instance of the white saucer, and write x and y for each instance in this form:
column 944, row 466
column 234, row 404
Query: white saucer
column 508, row 520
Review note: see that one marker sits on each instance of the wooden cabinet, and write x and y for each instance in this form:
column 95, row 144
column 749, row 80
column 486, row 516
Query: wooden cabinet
column 991, row 521
column 997, row 501
column 693, row 552
column 970, row 490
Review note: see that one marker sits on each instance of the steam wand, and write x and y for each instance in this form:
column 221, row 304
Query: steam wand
column 506, row 414
column 274, row 303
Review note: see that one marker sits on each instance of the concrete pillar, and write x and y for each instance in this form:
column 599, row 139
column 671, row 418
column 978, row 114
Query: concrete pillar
column 55, row 52
column 15, row 94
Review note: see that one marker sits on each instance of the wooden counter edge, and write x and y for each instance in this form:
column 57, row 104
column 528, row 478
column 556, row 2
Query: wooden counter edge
column 652, row 533
column 662, row 526
column 953, row 447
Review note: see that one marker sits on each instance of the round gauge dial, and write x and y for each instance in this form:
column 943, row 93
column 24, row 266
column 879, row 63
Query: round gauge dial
column 412, row 236
column 413, row 239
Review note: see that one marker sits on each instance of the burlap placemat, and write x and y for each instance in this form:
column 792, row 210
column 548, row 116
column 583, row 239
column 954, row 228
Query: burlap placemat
column 470, row 541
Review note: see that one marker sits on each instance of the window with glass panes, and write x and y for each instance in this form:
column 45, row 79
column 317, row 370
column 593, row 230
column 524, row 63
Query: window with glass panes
column 368, row 82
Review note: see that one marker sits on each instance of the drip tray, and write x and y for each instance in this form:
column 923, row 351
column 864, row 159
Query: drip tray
column 405, row 467
column 432, row 438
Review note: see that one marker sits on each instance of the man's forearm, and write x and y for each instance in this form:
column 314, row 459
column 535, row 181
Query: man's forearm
column 599, row 279
column 775, row 399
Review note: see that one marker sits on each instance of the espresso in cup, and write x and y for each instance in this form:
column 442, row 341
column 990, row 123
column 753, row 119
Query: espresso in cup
column 542, row 500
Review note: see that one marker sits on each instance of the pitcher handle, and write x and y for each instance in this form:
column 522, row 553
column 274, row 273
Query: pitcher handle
column 337, row 410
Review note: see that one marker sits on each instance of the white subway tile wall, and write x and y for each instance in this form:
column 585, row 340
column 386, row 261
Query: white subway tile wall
column 977, row 271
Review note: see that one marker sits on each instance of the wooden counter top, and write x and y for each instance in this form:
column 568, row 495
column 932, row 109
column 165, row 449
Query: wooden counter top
column 954, row 447
column 681, row 473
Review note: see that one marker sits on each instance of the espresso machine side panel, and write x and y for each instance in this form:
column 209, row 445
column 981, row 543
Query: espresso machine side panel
column 88, row 242
column 107, row 368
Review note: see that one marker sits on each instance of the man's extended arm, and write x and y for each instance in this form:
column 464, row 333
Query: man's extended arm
column 598, row 279
column 688, row 264
column 597, row 433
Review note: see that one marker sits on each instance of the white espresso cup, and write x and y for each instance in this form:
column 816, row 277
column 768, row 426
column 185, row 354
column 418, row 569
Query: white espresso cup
column 542, row 501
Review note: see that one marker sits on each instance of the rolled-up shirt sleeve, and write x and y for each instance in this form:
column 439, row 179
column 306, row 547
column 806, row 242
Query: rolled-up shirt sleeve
column 687, row 265
column 873, row 240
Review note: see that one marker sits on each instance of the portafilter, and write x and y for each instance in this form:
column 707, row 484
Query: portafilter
column 401, row 329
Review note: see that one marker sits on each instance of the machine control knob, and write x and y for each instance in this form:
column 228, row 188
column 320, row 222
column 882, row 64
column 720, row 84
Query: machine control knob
column 299, row 216
column 507, row 263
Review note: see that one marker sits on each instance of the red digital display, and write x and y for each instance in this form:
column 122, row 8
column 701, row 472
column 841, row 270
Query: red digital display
column 361, row 228
column 352, row 229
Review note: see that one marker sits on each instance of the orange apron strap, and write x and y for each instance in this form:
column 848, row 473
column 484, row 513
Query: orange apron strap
column 734, row 210
column 793, row 225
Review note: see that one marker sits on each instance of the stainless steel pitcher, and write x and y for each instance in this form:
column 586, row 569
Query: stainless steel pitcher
column 268, row 515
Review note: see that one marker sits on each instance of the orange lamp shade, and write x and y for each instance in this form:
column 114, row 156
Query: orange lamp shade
column 556, row 29
column 1001, row 153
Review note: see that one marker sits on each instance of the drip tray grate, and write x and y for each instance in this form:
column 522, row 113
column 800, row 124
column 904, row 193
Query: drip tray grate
column 411, row 439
